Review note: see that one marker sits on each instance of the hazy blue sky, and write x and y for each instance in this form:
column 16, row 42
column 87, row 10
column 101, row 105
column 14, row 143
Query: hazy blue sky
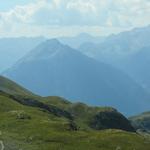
column 69, row 17
column 5, row 5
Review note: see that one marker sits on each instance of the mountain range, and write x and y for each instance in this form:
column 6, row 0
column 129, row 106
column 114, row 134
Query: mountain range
column 56, row 69
column 80, row 39
column 14, row 48
column 76, row 93
column 137, row 67
column 119, row 46
column 128, row 51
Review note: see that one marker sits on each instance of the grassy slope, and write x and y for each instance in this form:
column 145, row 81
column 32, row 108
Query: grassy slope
column 87, row 117
column 36, row 128
column 41, row 130
column 11, row 87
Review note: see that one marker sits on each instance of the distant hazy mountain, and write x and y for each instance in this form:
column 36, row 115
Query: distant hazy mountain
column 129, row 51
column 12, row 49
column 137, row 66
column 119, row 46
column 56, row 69
column 78, row 40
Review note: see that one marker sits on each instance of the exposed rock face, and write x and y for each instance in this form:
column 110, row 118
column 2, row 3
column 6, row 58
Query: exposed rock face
column 112, row 120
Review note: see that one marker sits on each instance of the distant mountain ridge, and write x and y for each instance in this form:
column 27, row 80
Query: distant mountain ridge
column 12, row 49
column 56, row 69
column 76, row 41
column 128, row 51
column 137, row 66
column 116, row 47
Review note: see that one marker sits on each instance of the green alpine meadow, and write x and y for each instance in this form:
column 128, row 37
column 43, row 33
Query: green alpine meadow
column 33, row 122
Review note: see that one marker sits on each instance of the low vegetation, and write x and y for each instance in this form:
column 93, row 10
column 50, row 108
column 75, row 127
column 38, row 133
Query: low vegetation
column 29, row 122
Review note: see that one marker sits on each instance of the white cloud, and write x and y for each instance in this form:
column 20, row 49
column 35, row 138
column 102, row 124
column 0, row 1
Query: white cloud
column 70, row 13
column 83, row 7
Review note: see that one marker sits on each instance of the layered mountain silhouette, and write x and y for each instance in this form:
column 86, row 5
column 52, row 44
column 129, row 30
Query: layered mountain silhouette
column 137, row 66
column 117, row 47
column 80, row 39
column 12, row 49
column 128, row 51
column 56, row 69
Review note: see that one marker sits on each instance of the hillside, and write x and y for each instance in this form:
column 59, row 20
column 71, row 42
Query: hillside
column 87, row 117
column 141, row 121
column 56, row 69
column 26, row 125
column 62, row 108
column 11, row 87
